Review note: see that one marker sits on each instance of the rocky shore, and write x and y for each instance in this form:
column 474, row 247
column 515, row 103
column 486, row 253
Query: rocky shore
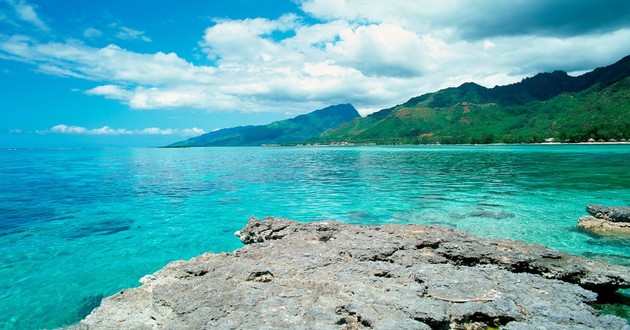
column 328, row 275
column 606, row 219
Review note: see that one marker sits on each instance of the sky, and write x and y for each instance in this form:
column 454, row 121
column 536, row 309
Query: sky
column 78, row 73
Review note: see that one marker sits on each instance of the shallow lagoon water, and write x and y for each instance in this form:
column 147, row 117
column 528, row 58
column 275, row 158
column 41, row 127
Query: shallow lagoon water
column 80, row 224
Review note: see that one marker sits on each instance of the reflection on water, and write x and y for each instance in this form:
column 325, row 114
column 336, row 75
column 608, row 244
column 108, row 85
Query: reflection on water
column 77, row 224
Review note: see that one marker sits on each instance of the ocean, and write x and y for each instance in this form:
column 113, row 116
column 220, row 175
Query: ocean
column 80, row 224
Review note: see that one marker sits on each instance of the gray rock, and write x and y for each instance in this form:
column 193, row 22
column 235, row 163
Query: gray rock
column 328, row 275
column 610, row 213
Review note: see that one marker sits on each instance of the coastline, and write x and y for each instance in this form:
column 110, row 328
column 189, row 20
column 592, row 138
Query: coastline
column 349, row 144
column 338, row 276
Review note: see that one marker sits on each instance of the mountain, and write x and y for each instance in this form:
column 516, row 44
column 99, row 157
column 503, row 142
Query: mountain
column 290, row 131
column 548, row 105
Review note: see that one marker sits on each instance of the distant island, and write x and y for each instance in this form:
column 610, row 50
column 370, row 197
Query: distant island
column 549, row 107
column 302, row 128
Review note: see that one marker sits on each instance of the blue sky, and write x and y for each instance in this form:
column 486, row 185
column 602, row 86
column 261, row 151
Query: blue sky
column 145, row 73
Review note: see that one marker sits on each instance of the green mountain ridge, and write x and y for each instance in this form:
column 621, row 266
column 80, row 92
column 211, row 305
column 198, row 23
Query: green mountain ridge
column 595, row 105
column 290, row 131
column 555, row 105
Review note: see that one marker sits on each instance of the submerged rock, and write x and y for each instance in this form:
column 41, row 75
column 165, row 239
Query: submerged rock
column 331, row 275
column 606, row 219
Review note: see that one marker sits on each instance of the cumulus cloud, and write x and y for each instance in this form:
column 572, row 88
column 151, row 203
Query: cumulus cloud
column 246, row 40
column 544, row 17
column 110, row 92
column 68, row 129
column 106, row 130
column 192, row 131
column 371, row 53
column 482, row 18
column 381, row 50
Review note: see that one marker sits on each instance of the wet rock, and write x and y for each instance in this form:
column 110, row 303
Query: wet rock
column 606, row 220
column 609, row 213
column 328, row 275
column 88, row 304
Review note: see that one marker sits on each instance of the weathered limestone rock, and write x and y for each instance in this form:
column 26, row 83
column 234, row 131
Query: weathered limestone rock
column 610, row 213
column 606, row 220
column 603, row 226
column 328, row 275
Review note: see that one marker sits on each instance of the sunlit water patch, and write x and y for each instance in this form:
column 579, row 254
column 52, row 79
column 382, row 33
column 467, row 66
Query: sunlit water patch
column 77, row 225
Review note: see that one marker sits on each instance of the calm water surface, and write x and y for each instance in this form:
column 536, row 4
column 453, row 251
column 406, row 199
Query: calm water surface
column 77, row 225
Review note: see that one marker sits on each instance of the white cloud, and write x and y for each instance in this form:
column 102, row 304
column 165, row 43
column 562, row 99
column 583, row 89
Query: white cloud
column 381, row 50
column 453, row 19
column 126, row 33
column 371, row 53
column 245, row 40
column 110, row 92
column 156, row 131
column 488, row 44
column 153, row 98
column 92, row 33
column 26, row 13
column 58, row 70
column 65, row 129
column 369, row 10
column 106, row 130
column 192, row 131
column 110, row 63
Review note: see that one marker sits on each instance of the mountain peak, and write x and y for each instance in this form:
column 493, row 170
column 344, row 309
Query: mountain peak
column 471, row 85
column 542, row 76
column 547, row 105
column 345, row 109
column 557, row 74
column 294, row 130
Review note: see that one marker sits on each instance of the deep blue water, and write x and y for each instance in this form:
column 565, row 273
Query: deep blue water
column 79, row 224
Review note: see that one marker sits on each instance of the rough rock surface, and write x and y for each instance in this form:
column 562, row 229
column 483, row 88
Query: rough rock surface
column 328, row 275
column 610, row 213
column 603, row 226
column 606, row 219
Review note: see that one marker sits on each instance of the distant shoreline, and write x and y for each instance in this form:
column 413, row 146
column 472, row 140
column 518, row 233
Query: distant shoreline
column 439, row 144
column 332, row 145
column 349, row 144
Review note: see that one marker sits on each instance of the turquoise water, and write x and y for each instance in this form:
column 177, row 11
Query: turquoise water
column 79, row 224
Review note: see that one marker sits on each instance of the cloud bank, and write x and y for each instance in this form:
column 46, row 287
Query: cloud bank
column 370, row 53
column 106, row 130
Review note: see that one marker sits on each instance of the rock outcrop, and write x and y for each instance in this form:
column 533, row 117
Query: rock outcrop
column 610, row 213
column 328, row 275
column 606, row 219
